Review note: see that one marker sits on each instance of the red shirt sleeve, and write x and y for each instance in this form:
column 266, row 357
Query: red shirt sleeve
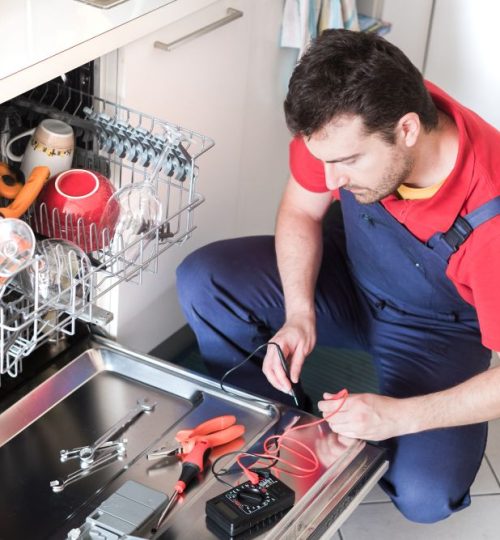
column 486, row 292
column 305, row 168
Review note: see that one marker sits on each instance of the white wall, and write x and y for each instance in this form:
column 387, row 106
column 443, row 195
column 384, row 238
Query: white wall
column 463, row 56
column 410, row 26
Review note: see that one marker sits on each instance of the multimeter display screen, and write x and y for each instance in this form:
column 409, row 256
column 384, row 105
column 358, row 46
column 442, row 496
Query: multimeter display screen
column 224, row 509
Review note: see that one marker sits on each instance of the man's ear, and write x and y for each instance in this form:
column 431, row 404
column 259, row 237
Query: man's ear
column 408, row 129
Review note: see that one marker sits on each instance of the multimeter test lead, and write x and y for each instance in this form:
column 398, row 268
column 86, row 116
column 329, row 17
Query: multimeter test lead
column 284, row 365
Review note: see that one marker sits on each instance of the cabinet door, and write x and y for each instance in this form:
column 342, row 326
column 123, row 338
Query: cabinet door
column 227, row 84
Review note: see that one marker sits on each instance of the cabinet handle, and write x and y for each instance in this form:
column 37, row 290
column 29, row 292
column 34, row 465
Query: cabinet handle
column 232, row 14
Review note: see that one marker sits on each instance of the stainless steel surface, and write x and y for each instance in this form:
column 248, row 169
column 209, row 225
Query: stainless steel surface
column 97, row 316
column 80, row 401
column 336, row 512
column 28, row 320
column 232, row 15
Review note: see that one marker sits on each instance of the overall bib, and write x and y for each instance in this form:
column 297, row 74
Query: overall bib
column 379, row 289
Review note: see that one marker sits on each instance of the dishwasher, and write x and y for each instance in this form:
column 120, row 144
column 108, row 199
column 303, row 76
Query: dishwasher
column 81, row 415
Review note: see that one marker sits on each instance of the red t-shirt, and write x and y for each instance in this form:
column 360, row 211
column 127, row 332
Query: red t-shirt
column 475, row 179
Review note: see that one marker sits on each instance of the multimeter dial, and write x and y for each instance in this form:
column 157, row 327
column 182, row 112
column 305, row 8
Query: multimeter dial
column 251, row 496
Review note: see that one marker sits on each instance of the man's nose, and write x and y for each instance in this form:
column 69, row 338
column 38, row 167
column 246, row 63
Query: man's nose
column 335, row 178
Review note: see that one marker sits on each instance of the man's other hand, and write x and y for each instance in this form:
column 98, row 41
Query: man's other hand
column 366, row 416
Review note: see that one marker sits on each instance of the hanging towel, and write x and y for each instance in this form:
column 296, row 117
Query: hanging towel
column 300, row 23
column 350, row 15
column 303, row 20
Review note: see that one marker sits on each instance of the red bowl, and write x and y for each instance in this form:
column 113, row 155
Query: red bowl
column 70, row 207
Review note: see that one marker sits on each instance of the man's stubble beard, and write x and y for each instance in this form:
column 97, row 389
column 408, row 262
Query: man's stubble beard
column 392, row 178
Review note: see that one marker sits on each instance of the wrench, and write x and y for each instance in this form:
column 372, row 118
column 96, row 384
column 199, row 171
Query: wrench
column 58, row 485
column 86, row 453
column 118, row 446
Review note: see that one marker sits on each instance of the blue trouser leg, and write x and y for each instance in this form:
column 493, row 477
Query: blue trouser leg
column 231, row 295
column 232, row 298
column 430, row 472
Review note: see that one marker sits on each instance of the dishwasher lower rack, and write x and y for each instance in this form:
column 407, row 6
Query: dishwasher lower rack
column 126, row 146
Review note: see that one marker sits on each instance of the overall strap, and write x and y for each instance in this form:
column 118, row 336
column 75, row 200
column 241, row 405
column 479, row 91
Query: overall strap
column 445, row 244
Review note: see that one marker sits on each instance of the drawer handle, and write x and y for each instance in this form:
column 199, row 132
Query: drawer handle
column 232, row 14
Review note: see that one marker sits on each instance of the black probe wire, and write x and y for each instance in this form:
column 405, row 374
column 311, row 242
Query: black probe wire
column 251, row 355
column 259, row 470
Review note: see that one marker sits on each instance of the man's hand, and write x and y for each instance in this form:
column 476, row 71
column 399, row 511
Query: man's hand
column 367, row 416
column 296, row 339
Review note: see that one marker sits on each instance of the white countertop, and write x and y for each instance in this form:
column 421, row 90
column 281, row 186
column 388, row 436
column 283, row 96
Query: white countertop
column 42, row 39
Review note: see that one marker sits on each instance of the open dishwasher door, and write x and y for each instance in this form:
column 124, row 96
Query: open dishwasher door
column 48, row 495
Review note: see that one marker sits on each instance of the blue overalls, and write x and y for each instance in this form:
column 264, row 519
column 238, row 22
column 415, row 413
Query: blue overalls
column 381, row 290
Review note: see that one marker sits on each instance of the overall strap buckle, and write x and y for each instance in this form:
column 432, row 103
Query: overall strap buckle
column 458, row 233
column 445, row 244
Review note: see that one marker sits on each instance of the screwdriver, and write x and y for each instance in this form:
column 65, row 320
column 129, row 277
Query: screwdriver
column 192, row 465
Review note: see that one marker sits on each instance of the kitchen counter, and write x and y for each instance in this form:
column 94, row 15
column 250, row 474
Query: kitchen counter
column 42, row 40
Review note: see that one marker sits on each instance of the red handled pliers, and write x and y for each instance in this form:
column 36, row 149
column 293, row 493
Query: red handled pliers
column 216, row 432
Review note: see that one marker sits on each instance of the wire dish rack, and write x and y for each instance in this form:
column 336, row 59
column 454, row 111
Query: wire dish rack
column 126, row 146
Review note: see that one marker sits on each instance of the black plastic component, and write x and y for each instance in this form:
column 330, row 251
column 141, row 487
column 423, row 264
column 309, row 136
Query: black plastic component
column 251, row 496
column 247, row 507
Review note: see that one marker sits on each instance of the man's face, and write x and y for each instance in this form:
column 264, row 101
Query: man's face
column 364, row 164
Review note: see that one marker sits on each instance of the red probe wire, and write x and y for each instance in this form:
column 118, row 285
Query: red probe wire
column 277, row 441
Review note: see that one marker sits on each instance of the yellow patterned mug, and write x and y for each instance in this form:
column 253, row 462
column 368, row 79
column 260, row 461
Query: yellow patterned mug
column 52, row 143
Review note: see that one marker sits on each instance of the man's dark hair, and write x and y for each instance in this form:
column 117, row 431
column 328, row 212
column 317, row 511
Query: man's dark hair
column 356, row 73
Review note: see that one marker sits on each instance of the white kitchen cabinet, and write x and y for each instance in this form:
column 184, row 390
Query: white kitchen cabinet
column 228, row 84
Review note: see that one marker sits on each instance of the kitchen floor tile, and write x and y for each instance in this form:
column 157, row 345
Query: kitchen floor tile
column 493, row 446
column 485, row 482
column 481, row 521
column 376, row 495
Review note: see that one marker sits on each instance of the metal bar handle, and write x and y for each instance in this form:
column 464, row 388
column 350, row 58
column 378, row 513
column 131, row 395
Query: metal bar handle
column 232, row 14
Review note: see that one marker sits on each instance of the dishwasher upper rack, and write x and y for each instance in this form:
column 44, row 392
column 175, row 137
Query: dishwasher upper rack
column 29, row 321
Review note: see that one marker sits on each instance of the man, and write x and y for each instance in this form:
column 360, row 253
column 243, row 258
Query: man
column 407, row 163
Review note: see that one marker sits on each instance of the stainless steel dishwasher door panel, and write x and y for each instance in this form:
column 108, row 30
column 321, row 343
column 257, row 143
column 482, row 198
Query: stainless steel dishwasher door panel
column 74, row 408
column 76, row 405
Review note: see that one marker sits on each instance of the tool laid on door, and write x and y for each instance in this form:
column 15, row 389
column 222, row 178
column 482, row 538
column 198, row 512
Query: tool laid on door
column 216, row 432
column 58, row 485
column 104, row 450
column 193, row 464
column 87, row 453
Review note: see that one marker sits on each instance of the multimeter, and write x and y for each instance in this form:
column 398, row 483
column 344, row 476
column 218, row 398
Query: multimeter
column 249, row 505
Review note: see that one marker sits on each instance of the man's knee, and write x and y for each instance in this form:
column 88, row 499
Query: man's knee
column 195, row 271
column 428, row 502
column 428, row 506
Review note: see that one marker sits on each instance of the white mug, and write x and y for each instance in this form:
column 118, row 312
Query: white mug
column 52, row 144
